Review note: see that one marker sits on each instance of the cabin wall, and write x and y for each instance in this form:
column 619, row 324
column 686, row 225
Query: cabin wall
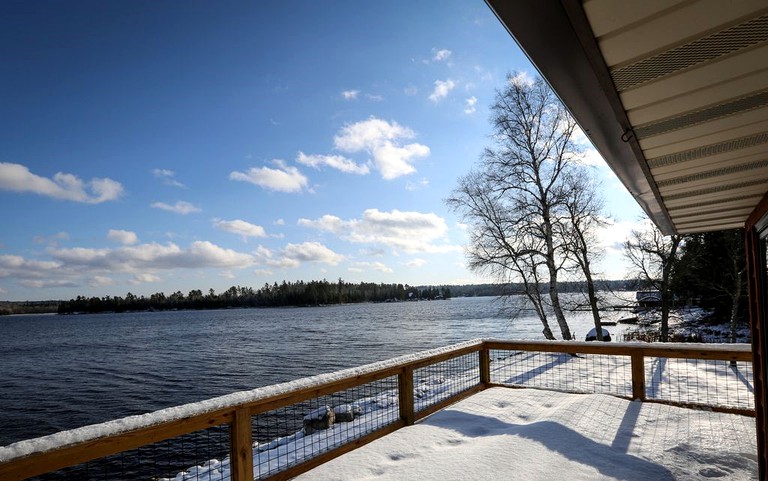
column 756, row 238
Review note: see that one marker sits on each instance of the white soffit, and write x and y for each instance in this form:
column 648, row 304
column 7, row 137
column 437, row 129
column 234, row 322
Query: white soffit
column 692, row 77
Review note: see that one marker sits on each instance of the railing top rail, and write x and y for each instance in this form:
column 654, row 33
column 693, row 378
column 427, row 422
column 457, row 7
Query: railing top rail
column 725, row 352
column 221, row 407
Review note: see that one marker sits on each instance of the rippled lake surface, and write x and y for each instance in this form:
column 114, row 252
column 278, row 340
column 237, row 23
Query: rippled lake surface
column 62, row 372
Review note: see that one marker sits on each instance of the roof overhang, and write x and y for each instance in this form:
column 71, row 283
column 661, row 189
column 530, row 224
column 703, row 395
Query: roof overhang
column 673, row 94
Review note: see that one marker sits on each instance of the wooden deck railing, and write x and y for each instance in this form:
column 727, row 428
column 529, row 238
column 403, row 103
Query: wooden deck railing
column 28, row 459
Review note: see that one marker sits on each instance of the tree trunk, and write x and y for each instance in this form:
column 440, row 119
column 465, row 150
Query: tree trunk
column 735, row 296
column 593, row 301
column 547, row 331
column 665, row 314
column 535, row 298
column 554, row 296
column 666, row 294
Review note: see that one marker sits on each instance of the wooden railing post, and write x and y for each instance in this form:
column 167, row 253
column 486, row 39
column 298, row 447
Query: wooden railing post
column 405, row 389
column 241, row 446
column 485, row 366
column 638, row 375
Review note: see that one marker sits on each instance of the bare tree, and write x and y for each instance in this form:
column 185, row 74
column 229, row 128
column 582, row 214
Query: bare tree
column 584, row 208
column 737, row 267
column 737, row 271
column 654, row 258
column 515, row 202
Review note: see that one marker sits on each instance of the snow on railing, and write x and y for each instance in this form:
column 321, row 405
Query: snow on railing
column 279, row 431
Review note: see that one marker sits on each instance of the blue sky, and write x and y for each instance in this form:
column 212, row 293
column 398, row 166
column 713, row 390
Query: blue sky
column 160, row 146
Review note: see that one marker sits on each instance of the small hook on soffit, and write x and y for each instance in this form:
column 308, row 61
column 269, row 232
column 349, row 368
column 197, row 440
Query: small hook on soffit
column 628, row 135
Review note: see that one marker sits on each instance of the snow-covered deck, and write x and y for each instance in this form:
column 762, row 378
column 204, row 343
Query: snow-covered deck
column 531, row 434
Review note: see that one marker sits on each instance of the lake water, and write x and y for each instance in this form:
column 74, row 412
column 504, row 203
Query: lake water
column 62, row 372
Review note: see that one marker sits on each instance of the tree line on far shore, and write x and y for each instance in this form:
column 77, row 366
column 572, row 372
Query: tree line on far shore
column 299, row 293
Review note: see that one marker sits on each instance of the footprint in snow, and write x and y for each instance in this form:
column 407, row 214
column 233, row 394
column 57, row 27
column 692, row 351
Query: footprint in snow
column 401, row 456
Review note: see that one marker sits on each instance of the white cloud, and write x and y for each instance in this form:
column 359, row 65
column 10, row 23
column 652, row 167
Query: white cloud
column 124, row 237
column 589, row 155
column 41, row 284
column 18, row 178
column 441, row 55
column 312, row 252
column 469, row 105
column 75, row 267
column 168, row 177
column 350, row 94
column 415, row 263
column 374, row 266
column 409, row 232
column 338, row 162
column 410, row 90
column 19, row 267
column 413, row 186
column 282, row 179
column 226, row 275
column 101, row 281
column 441, row 90
column 280, row 222
column 263, row 272
column 200, row 254
column 292, row 255
column 383, row 141
column 613, row 235
column 521, row 78
column 180, row 207
column 3, row 291
column 240, row 227
column 266, row 256
column 145, row 278
column 485, row 75
column 355, row 94
column 52, row 240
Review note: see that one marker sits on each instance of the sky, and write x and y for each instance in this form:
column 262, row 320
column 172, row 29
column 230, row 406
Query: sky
column 161, row 146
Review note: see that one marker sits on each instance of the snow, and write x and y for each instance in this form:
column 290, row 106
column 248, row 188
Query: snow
column 531, row 434
column 318, row 414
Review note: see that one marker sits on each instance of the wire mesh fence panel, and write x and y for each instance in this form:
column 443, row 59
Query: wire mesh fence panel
column 290, row 435
column 582, row 373
column 199, row 456
column 700, row 381
column 437, row 382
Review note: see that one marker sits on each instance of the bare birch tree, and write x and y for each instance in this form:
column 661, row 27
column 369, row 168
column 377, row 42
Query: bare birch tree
column 515, row 201
column 497, row 246
column 584, row 208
